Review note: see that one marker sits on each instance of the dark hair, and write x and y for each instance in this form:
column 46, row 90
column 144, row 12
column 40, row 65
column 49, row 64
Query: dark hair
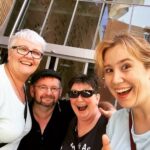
column 91, row 80
column 44, row 73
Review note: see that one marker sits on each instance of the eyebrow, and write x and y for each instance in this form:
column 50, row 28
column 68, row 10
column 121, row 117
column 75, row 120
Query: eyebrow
column 121, row 61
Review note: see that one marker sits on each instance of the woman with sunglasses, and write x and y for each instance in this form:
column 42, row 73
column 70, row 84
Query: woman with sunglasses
column 124, row 63
column 87, row 127
column 25, row 51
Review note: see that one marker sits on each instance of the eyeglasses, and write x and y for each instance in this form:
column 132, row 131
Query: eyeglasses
column 23, row 50
column 44, row 88
column 83, row 93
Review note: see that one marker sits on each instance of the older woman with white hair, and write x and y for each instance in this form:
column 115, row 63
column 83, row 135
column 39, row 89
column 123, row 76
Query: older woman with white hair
column 25, row 51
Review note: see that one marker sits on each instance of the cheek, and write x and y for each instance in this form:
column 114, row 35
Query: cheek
column 57, row 96
column 90, row 101
column 35, row 65
column 94, row 102
column 10, row 55
column 37, row 62
column 73, row 105
column 72, row 101
column 107, row 82
column 38, row 94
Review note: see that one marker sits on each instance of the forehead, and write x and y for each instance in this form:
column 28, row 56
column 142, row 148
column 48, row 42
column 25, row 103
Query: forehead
column 48, row 81
column 116, row 54
column 31, row 45
column 77, row 86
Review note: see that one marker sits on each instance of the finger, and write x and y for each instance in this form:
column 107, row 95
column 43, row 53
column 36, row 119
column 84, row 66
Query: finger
column 106, row 142
column 105, row 113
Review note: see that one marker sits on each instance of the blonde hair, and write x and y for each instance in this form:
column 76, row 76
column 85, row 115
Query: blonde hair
column 138, row 47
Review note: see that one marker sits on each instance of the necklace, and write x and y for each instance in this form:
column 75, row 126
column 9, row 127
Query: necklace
column 19, row 93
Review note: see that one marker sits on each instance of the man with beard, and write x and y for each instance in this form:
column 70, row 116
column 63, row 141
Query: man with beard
column 50, row 116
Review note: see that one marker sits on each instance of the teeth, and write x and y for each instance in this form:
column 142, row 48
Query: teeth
column 122, row 90
column 81, row 108
column 81, row 105
column 26, row 63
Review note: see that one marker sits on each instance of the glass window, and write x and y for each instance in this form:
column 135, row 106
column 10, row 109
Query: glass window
column 84, row 25
column 68, row 69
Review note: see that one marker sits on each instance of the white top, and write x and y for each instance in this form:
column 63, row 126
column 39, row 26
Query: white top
column 12, row 123
column 118, row 132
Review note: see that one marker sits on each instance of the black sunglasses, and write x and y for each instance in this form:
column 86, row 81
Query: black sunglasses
column 83, row 93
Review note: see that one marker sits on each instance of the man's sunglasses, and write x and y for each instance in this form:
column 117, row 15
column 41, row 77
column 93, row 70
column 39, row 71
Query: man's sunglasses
column 83, row 93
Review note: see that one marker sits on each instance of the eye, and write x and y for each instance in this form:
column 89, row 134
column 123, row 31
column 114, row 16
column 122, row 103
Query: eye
column 125, row 67
column 54, row 89
column 43, row 87
column 23, row 49
column 74, row 92
column 36, row 53
column 108, row 70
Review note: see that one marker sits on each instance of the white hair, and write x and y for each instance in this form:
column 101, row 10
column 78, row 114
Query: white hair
column 28, row 35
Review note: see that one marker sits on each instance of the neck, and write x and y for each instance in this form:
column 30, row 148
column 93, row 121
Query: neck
column 141, row 114
column 84, row 126
column 41, row 111
column 16, row 83
column 42, row 115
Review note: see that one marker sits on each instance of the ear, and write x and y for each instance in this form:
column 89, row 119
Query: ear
column 9, row 54
column 32, row 90
column 60, row 92
column 98, row 98
column 148, row 73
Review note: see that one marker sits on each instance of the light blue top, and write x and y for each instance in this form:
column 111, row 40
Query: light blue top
column 118, row 132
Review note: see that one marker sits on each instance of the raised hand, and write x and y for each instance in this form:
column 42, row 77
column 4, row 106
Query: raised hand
column 106, row 108
column 106, row 143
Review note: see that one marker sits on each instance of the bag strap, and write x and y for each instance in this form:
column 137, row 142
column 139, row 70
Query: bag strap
column 2, row 144
column 26, row 102
column 133, row 146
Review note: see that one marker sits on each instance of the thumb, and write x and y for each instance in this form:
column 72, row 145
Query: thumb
column 104, row 112
column 106, row 142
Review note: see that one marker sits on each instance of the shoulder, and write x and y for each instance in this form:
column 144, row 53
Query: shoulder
column 120, row 113
column 65, row 106
column 3, row 76
column 118, row 121
column 4, row 86
column 103, row 121
column 65, row 109
column 119, row 116
column 1, row 66
column 64, row 103
column 2, row 69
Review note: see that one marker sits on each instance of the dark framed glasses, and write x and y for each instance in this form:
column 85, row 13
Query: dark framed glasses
column 23, row 50
column 83, row 93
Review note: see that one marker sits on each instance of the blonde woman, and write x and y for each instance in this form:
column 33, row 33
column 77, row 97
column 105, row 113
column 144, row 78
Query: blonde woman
column 124, row 63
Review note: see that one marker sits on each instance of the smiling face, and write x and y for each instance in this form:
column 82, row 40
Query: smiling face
column 23, row 65
column 46, row 91
column 84, row 108
column 126, row 77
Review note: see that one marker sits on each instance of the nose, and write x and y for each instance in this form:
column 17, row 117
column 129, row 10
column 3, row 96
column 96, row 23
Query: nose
column 117, row 77
column 29, row 54
column 79, row 98
column 49, row 91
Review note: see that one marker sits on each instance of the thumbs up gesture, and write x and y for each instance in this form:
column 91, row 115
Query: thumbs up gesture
column 106, row 142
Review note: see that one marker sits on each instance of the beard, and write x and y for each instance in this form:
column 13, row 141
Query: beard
column 47, row 101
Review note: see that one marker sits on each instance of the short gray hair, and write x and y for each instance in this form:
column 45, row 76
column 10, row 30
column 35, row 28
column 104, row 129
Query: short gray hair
column 28, row 35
